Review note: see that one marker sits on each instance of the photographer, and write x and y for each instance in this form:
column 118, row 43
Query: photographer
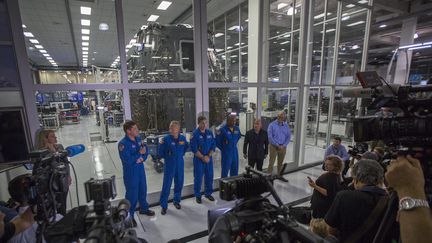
column 48, row 140
column 352, row 209
column 405, row 176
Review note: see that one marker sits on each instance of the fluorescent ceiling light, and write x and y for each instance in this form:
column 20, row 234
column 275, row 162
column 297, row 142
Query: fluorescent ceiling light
column 285, row 42
column 85, row 31
column 85, row 10
column 85, row 52
column 153, row 18
column 85, row 43
column 330, row 30
column 34, row 41
column 164, row 5
column 282, row 5
column 49, row 58
column 233, row 27
column 419, row 47
column 345, row 18
column 409, row 46
column 85, row 22
column 383, row 26
column 416, row 36
column 28, row 34
column 363, row 1
column 427, row 43
column 24, row 26
column 85, row 37
column 218, row 35
column 350, row 6
column 39, row 46
column 355, row 23
column 229, row 47
column 103, row 26
column 237, row 44
column 246, row 20
column 85, row 48
column 128, row 46
column 234, row 56
column 85, row 56
column 43, row 51
column 355, row 47
column 46, row 55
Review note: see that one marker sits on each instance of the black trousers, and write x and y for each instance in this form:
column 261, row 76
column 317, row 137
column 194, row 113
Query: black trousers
column 257, row 162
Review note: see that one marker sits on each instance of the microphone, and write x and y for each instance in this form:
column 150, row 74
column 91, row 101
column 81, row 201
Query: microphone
column 359, row 92
column 123, row 209
column 75, row 149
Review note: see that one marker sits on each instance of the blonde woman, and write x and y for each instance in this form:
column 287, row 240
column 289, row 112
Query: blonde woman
column 47, row 139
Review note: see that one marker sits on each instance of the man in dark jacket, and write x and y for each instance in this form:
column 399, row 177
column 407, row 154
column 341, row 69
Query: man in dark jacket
column 257, row 139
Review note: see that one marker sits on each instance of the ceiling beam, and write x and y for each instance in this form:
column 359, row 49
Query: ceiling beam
column 394, row 6
column 68, row 11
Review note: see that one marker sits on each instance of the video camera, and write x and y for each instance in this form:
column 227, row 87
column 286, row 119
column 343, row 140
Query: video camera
column 102, row 224
column 407, row 132
column 254, row 218
column 357, row 149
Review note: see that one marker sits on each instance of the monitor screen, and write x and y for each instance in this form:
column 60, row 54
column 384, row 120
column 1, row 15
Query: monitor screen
column 14, row 142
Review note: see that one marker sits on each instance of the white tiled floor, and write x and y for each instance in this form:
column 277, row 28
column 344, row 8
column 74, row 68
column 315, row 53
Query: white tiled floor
column 101, row 160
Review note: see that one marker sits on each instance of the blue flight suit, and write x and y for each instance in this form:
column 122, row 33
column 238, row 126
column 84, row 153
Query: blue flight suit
column 205, row 143
column 172, row 151
column 226, row 141
column 134, row 176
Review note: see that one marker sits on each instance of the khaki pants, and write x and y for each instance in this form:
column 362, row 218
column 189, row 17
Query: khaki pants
column 274, row 151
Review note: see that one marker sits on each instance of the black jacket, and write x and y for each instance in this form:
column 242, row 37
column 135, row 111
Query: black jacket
column 258, row 144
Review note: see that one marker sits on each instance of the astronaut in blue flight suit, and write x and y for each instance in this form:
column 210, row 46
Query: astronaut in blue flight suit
column 172, row 148
column 203, row 145
column 133, row 154
column 226, row 140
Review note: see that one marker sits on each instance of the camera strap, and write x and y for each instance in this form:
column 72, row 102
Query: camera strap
column 370, row 221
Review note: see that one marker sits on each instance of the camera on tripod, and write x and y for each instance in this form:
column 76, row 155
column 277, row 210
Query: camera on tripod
column 104, row 223
column 254, row 218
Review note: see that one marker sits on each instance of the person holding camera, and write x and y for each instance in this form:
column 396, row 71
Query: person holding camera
column 47, row 139
column 172, row 148
column 133, row 153
column 203, row 145
column 257, row 139
column 405, row 176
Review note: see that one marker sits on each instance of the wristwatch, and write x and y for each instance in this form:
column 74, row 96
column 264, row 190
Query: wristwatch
column 409, row 203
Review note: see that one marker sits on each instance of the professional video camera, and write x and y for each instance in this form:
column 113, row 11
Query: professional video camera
column 254, row 218
column 357, row 149
column 102, row 224
column 407, row 132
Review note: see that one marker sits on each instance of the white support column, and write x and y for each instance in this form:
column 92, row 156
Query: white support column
column 27, row 85
column 255, row 40
column 123, row 65
column 404, row 60
column 200, row 55
column 265, row 55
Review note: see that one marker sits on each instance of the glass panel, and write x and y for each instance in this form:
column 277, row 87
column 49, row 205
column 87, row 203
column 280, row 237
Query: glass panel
column 274, row 101
column 316, row 129
column 316, row 54
column 5, row 33
column 160, row 44
column 92, row 118
column 279, row 61
column 353, row 24
column 329, row 43
column 233, row 52
column 297, row 13
column 244, row 22
column 94, row 75
column 295, row 56
column 9, row 77
column 86, row 40
column 344, row 110
column 280, row 17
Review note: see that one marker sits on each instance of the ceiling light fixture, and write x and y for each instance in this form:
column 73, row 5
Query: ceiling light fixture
column 85, row 43
column 355, row 47
column 345, row 18
column 103, row 26
column 85, row 22
column 383, row 26
column 28, row 34
column 34, row 41
column 46, row 55
column 49, row 58
column 24, row 26
column 282, row 5
column 355, row 23
column 43, row 51
column 85, row 10
column 164, row 5
column 85, row 52
column 350, row 6
column 85, row 37
column 363, row 1
column 85, row 31
column 85, row 48
column 153, row 18
column 219, row 35
column 416, row 36
column 39, row 46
